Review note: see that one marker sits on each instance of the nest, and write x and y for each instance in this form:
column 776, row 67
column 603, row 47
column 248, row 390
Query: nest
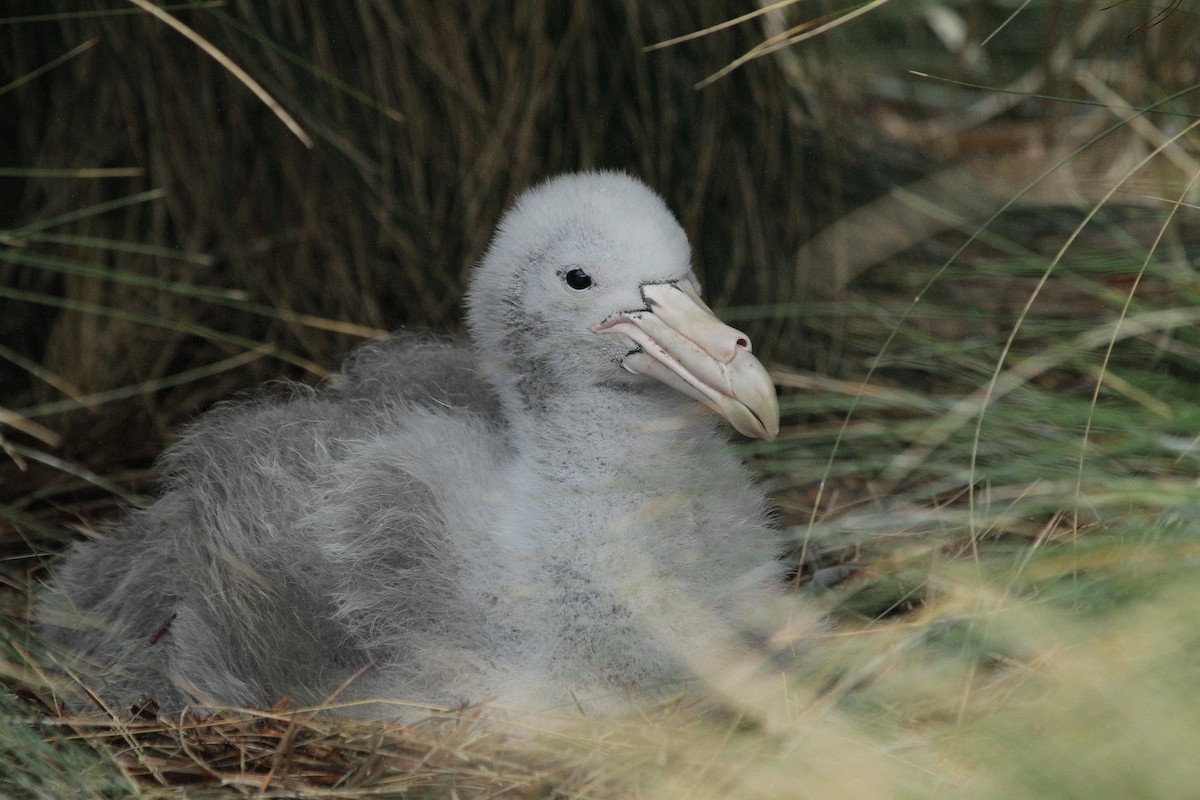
column 282, row 753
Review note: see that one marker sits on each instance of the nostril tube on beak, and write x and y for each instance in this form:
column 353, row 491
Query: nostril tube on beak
column 735, row 345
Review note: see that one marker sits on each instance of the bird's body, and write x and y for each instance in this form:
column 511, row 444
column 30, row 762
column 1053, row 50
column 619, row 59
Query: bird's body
column 536, row 518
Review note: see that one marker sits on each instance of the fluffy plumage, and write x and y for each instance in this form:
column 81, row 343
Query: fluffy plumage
column 533, row 518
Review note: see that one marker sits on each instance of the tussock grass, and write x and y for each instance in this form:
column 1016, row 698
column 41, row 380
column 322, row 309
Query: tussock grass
column 991, row 449
column 427, row 119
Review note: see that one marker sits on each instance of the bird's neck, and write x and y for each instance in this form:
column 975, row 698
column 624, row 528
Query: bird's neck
column 580, row 434
column 596, row 433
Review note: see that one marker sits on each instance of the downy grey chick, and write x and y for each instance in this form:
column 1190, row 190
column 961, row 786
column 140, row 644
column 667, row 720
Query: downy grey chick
column 541, row 517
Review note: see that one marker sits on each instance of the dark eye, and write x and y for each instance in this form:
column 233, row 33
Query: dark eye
column 577, row 279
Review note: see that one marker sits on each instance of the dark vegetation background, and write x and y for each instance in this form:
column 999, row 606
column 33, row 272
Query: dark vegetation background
column 216, row 232
column 428, row 118
column 934, row 221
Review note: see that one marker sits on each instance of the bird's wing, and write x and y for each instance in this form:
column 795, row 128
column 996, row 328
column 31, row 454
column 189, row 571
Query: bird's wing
column 264, row 569
column 418, row 370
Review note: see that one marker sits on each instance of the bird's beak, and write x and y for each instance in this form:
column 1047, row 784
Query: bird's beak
column 683, row 344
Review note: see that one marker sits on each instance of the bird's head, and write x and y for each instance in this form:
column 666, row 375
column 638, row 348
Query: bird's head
column 588, row 281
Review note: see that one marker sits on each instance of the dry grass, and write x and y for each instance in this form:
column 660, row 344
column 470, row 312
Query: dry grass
column 980, row 695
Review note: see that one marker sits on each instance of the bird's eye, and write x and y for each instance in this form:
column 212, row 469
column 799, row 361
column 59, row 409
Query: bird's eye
column 577, row 280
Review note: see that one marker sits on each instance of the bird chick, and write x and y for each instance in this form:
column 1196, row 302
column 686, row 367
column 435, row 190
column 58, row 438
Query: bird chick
column 545, row 516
